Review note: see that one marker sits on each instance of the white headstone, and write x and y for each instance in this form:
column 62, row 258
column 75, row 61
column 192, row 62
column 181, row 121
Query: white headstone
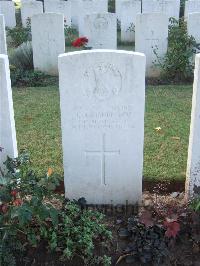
column 7, row 8
column 29, row 9
column 151, row 33
column 169, row 7
column 191, row 7
column 48, row 41
column 101, row 30
column 193, row 164
column 8, row 142
column 87, row 7
column 58, row 6
column 3, row 45
column 193, row 25
column 102, row 94
column 129, row 10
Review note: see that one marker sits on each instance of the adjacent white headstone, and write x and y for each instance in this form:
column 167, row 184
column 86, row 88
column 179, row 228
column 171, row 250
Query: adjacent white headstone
column 193, row 25
column 8, row 143
column 191, row 7
column 101, row 30
column 169, row 7
column 102, row 94
column 129, row 10
column 3, row 45
column 193, row 164
column 58, row 6
column 7, row 8
column 87, row 7
column 48, row 41
column 151, row 33
column 29, row 9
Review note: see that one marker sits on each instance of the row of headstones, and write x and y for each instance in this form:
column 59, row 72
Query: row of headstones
column 102, row 33
column 74, row 11
column 170, row 7
column 48, row 37
column 90, row 26
column 102, row 99
column 151, row 37
column 33, row 7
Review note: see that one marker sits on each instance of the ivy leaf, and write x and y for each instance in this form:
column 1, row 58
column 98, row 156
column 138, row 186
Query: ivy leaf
column 23, row 213
column 34, row 201
column 32, row 238
column 54, row 216
column 53, row 240
column 43, row 212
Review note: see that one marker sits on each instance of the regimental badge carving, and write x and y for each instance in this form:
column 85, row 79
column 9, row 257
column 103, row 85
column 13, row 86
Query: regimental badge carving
column 106, row 81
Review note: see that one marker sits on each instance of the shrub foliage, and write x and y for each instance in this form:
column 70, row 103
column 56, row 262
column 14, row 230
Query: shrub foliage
column 178, row 63
column 32, row 214
column 19, row 34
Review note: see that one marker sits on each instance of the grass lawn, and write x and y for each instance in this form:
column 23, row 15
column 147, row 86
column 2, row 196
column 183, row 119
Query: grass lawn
column 37, row 118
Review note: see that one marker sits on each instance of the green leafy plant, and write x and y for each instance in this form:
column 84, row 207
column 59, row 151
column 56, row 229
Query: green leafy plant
column 22, row 69
column 19, row 34
column 178, row 63
column 70, row 34
column 22, row 56
column 30, row 78
column 32, row 214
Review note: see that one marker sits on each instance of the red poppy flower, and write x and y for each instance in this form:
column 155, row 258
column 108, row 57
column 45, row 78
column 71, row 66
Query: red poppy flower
column 80, row 42
column 17, row 202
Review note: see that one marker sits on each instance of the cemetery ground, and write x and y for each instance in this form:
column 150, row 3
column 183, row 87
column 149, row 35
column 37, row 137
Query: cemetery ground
column 167, row 120
column 51, row 230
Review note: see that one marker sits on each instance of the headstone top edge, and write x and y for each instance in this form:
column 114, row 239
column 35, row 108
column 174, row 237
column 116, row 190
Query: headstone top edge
column 47, row 13
column 193, row 13
column 152, row 14
column 102, row 51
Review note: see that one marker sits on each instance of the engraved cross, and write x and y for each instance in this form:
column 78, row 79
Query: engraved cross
column 103, row 152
